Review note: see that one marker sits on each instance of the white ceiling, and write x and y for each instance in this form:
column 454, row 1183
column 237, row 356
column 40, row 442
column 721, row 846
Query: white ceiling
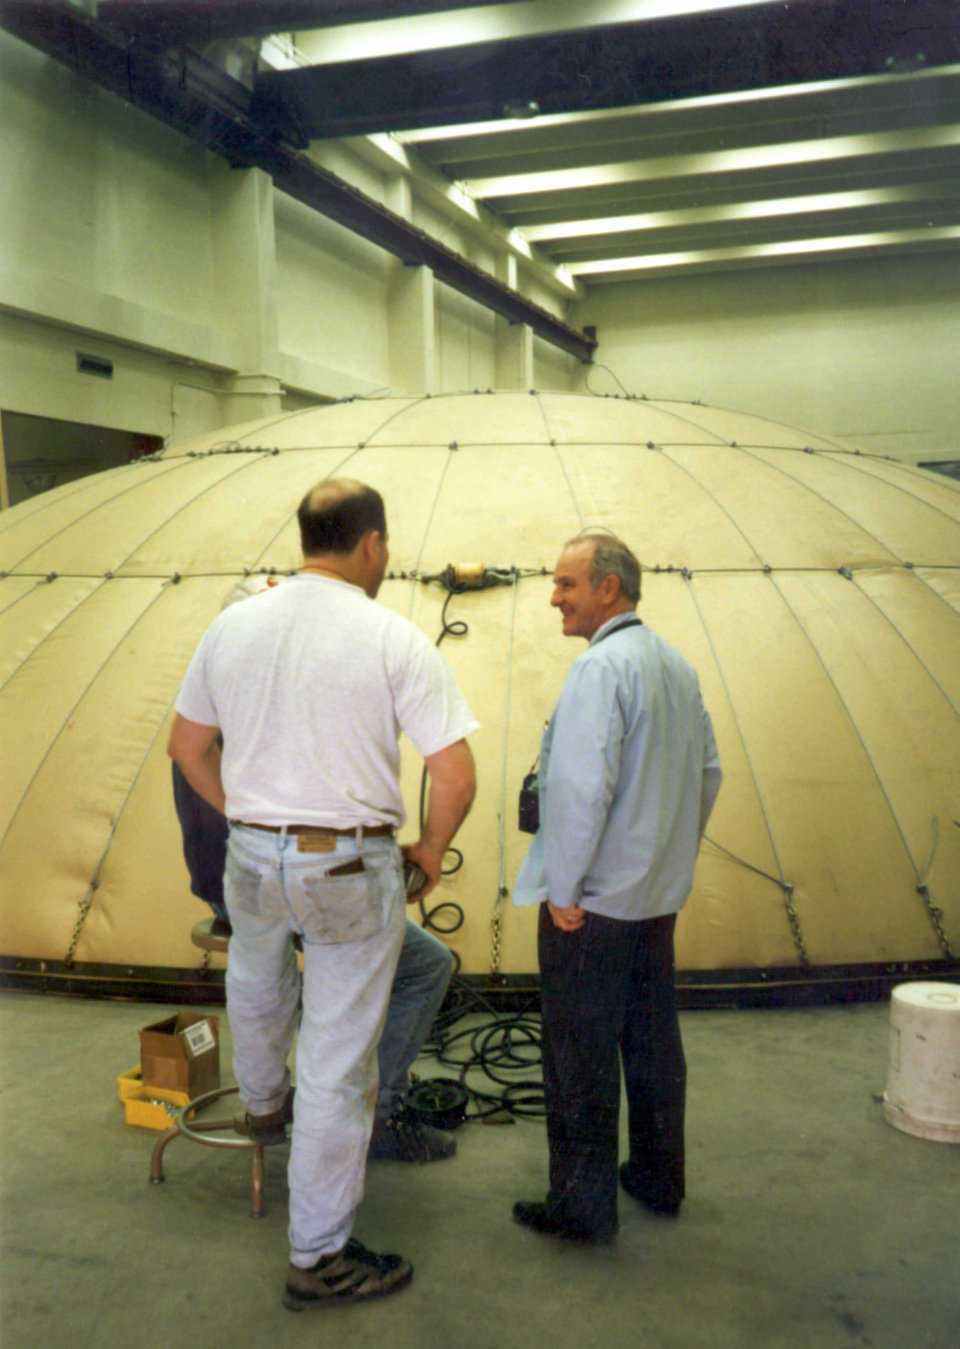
column 658, row 137
column 732, row 180
column 782, row 173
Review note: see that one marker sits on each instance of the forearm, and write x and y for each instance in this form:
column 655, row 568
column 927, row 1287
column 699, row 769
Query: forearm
column 204, row 777
column 451, row 796
column 452, row 789
column 197, row 754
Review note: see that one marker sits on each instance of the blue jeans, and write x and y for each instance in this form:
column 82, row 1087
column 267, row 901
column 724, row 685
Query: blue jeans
column 419, row 987
column 352, row 928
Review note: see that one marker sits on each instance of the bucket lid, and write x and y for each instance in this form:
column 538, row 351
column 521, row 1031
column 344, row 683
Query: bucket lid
column 933, row 995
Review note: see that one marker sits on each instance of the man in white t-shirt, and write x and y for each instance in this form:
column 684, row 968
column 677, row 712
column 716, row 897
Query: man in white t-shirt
column 310, row 685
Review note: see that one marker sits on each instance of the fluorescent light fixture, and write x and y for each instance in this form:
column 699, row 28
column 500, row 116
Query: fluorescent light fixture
column 813, row 203
column 757, row 252
column 490, row 23
column 703, row 102
column 720, row 161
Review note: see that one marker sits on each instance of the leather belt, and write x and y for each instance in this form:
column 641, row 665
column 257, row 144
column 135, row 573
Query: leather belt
column 367, row 830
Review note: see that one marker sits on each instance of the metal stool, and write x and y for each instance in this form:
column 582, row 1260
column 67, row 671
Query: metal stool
column 200, row 1130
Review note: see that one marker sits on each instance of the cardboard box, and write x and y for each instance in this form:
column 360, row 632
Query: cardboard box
column 182, row 1053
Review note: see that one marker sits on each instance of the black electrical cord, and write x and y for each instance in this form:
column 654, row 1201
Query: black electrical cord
column 504, row 1048
column 501, row 1047
column 434, row 918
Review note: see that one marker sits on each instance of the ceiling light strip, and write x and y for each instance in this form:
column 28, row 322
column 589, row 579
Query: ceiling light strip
column 722, row 161
column 757, row 252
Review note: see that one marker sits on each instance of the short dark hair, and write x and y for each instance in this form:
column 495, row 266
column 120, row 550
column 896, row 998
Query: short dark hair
column 336, row 513
column 611, row 557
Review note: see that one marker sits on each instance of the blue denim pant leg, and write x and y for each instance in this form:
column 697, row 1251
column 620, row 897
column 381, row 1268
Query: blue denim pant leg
column 352, row 929
column 419, row 988
column 263, row 982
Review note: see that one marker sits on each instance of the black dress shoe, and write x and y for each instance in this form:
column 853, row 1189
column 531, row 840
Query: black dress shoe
column 535, row 1216
column 661, row 1197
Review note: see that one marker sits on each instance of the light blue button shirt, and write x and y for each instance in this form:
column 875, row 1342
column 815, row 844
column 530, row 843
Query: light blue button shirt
column 628, row 776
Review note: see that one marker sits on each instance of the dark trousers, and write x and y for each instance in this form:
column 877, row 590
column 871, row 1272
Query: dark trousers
column 607, row 994
column 204, row 833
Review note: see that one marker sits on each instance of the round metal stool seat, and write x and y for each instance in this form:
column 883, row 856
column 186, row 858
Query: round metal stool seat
column 208, row 935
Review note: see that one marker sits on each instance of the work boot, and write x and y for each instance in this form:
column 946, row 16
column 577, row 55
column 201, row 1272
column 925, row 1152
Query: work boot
column 401, row 1137
column 351, row 1275
column 267, row 1129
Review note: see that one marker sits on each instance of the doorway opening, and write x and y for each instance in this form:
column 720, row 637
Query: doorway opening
column 41, row 452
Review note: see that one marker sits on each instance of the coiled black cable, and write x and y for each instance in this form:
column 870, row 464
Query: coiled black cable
column 506, row 1049
column 430, row 918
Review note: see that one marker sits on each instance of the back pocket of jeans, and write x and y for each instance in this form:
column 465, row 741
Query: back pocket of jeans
column 342, row 908
column 241, row 885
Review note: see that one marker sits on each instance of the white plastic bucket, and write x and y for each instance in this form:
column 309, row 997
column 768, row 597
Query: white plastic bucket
column 923, row 1085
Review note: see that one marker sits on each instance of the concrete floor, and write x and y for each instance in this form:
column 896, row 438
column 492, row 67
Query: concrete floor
column 809, row 1220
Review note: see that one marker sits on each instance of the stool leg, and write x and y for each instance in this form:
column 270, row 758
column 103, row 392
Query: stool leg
column 156, row 1156
column 256, row 1180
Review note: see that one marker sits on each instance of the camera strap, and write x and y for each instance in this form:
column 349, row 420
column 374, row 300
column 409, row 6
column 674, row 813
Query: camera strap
column 633, row 623
column 528, row 814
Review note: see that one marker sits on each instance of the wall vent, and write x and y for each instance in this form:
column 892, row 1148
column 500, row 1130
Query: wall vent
column 94, row 365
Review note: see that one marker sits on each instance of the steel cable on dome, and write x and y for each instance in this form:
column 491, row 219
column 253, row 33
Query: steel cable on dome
column 933, row 911
column 819, row 495
column 72, row 711
column 905, row 640
column 292, row 514
column 86, row 904
column 895, row 464
column 64, row 618
column 785, row 885
column 174, row 468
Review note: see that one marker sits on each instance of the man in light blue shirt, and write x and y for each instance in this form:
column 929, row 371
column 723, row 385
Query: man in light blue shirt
column 628, row 776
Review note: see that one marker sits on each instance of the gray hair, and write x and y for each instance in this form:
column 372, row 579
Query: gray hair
column 611, row 557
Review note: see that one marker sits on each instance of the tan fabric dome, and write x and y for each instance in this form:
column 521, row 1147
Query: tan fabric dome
column 816, row 590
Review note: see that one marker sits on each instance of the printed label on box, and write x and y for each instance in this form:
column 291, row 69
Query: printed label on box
column 199, row 1038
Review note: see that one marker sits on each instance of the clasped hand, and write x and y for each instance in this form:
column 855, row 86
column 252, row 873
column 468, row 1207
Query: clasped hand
column 568, row 919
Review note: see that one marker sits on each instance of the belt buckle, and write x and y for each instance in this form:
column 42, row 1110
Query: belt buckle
column 316, row 840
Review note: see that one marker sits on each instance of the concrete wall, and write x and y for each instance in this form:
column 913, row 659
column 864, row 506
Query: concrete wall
column 218, row 299
column 863, row 350
column 215, row 298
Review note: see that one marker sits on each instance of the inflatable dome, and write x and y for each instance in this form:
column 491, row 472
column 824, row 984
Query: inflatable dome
column 815, row 589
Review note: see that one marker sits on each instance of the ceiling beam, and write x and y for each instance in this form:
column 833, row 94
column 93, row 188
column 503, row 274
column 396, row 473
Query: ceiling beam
column 772, row 254
column 174, row 22
column 716, row 121
column 822, row 151
column 567, row 235
column 199, row 100
column 485, row 23
column 680, row 56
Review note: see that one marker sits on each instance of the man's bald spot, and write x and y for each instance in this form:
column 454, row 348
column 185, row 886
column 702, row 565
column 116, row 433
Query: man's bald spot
column 332, row 491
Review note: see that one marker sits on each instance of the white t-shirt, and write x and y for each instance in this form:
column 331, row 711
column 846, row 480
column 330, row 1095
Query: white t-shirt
column 311, row 684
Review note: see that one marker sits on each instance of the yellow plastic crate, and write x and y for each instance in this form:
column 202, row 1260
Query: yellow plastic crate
column 149, row 1107
column 130, row 1082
